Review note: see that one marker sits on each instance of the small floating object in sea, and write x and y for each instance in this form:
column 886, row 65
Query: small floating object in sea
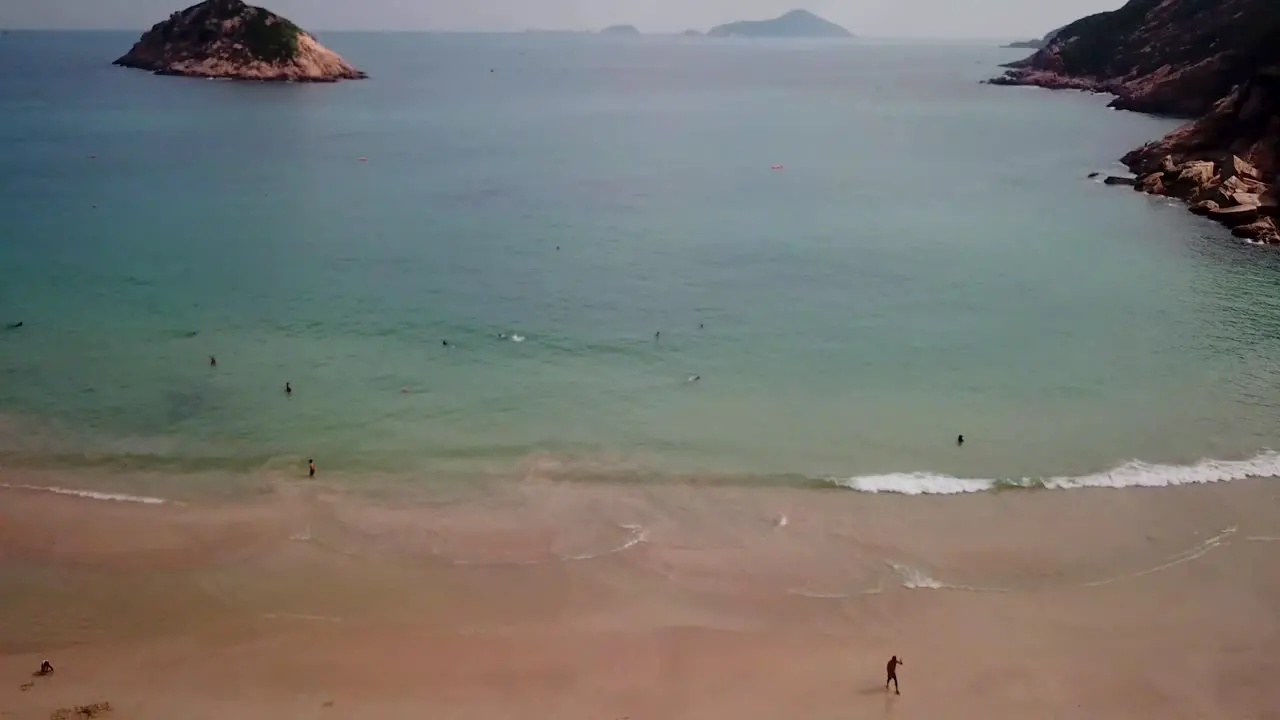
column 364, row 159
column 93, row 157
column 775, row 167
column 517, row 338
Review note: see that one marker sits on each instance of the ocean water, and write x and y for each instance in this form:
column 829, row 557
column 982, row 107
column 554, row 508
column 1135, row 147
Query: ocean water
column 930, row 260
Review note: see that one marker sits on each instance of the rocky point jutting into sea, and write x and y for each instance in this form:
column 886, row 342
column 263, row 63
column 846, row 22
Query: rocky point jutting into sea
column 229, row 39
column 1216, row 61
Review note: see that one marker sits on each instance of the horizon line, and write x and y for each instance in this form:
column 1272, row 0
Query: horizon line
column 542, row 31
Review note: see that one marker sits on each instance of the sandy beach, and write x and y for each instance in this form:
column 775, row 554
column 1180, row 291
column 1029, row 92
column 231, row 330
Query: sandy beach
column 574, row 601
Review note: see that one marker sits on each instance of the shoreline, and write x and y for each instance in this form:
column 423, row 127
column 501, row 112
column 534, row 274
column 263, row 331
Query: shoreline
column 585, row 601
column 1191, row 164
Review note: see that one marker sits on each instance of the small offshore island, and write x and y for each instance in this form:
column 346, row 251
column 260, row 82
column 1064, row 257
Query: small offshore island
column 1213, row 61
column 794, row 24
column 623, row 30
column 232, row 40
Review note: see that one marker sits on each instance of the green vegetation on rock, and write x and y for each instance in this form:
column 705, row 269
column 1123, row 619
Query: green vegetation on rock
column 270, row 37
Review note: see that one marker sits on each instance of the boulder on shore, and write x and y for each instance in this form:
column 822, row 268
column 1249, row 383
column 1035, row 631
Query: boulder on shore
column 1235, row 216
column 1152, row 184
column 229, row 39
column 1263, row 230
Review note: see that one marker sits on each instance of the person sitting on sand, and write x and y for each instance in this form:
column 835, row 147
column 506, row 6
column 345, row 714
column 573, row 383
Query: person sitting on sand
column 891, row 674
column 46, row 668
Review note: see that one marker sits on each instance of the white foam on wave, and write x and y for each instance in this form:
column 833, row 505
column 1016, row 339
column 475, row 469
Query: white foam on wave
column 90, row 494
column 914, row 578
column 1131, row 474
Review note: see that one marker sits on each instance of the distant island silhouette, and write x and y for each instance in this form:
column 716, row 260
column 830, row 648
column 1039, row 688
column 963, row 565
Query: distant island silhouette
column 795, row 24
column 1034, row 44
column 620, row 30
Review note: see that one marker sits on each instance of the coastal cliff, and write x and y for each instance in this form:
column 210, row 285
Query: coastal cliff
column 229, row 39
column 1217, row 61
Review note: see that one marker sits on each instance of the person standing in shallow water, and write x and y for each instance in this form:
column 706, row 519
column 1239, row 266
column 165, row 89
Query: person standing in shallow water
column 311, row 467
column 891, row 674
column 959, row 440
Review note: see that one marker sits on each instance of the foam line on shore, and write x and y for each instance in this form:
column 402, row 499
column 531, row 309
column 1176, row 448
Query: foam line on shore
column 638, row 535
column 90, row 494
column 1182, row 557
column 1131, row 474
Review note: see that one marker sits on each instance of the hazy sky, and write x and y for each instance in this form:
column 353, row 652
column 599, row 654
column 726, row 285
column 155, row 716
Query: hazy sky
column 875, row 18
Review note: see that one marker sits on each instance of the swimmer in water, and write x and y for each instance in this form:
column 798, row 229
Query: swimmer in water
column 288, row 389
column 15, row 326
column 444, row 343
column 694, row 378
column 657, row 335
column 502, row 336
column 959, row 440
column 213, row 361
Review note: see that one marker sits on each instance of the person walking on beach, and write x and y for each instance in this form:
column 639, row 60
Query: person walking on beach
column 311, row 467
column 891, row 674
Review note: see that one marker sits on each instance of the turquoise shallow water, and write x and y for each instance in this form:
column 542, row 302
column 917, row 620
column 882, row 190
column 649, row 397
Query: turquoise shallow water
column 930, row 261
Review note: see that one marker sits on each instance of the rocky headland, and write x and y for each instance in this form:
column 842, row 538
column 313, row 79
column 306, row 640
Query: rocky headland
column 232, row 40
column 1215, row 61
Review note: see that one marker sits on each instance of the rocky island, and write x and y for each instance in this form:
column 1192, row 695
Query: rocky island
column 229, row 39
column 1215, row 61
column 623, row 30
column 795, row 24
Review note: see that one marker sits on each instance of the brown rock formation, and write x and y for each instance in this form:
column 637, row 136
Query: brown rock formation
column 1218, row 60
column 229, row 39
column 1222, row 190
column 1171, row 57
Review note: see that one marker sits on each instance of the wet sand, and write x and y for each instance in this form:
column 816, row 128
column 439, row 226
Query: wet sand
column 566, row 601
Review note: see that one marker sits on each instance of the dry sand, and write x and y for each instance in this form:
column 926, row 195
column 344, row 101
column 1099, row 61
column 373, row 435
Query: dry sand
column 571, row 601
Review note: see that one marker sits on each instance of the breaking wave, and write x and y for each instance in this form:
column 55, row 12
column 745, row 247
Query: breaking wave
column 1130, row 474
